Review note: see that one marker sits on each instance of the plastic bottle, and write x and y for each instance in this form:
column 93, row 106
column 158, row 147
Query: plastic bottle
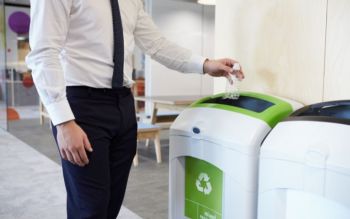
column 232, row 90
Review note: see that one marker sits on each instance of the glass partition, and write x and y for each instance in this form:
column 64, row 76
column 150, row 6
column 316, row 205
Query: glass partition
column 22, row 97
column 3, row 95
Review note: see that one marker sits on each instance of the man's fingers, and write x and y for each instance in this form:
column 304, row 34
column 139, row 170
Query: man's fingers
column 226, row 69
column 238, row 72
column 63, row 154
column 230, row 62
column 74, row 140
column 76, row 158
column 239, row 75
column 83, row 156
column 87, row 144
column 229, row 78
column 70, row 157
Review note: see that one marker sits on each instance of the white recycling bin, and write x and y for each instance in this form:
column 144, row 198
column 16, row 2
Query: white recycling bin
column 214, row 149
column 304, row 170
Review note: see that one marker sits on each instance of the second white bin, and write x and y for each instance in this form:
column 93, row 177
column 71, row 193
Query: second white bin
column 305, row 165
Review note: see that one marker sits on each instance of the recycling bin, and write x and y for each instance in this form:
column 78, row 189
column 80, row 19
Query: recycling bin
column 305, row 165
column 214, row 149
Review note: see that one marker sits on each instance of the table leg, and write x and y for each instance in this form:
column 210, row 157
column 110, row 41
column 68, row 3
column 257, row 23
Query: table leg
column 154, row 114
column 158, row 148
column 136, row 160
column 41, row 113
column 153, row 119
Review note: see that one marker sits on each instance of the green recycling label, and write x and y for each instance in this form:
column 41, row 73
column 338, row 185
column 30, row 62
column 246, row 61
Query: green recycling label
column 203, row 190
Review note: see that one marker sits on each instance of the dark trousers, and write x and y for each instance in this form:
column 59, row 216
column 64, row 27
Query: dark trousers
column 108, row 118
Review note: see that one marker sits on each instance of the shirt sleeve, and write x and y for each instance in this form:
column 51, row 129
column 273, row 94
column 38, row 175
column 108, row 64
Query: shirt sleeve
column 150, row 40
column 48, row 32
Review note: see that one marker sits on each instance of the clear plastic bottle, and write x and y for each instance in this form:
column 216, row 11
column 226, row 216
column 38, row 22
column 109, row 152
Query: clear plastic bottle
column 232, row 90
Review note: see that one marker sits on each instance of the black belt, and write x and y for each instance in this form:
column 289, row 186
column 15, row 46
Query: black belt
column 123, row 91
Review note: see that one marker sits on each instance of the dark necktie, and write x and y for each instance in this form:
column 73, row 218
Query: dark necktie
column 118, row 57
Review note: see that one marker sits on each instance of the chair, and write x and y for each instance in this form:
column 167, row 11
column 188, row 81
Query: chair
column 43, row 113
column 145, row 132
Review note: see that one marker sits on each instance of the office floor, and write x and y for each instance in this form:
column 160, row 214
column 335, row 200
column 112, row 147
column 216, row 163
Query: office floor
column 31, row 185
column 147, row 191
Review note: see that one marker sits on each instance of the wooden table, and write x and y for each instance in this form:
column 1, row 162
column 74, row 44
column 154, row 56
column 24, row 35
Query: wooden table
column 177, row 103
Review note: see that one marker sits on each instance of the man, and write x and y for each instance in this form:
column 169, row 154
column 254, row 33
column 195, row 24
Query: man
column 80, row 52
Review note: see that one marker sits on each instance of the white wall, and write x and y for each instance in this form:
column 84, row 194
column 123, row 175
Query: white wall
column 191, row 26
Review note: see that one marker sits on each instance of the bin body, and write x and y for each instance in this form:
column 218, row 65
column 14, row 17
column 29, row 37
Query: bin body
column 214, row 150
column 304, row 167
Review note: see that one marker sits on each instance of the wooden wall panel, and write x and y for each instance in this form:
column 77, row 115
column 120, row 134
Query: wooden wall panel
column 337, row 76
column 280, row 43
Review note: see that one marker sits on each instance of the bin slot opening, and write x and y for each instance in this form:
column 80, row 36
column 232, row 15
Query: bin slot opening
column 337, row 111
column 244, row 102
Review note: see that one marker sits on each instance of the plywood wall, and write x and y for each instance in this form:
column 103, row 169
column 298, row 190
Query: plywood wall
column 280, row 44
column 337, row 74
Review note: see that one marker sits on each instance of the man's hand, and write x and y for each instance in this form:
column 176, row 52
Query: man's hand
column 73, row 143
column 222, row 68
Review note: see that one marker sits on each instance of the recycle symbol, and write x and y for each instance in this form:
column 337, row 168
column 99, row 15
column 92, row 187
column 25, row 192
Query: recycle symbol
column 203, row 184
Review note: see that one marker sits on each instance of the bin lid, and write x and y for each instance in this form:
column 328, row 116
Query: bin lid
column 267, row 108
column 319, row 144
column 333, row 111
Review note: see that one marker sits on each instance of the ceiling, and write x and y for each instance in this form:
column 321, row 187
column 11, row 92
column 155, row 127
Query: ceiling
column 18, row 2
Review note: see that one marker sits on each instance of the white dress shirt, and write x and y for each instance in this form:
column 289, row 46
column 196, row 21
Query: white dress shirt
column 72, row 45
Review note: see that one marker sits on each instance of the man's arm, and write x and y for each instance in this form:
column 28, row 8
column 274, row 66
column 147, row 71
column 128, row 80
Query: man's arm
column 48, row 32
column 152, row 42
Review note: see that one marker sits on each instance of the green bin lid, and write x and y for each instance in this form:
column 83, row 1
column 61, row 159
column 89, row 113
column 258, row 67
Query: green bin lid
column 261, row 106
